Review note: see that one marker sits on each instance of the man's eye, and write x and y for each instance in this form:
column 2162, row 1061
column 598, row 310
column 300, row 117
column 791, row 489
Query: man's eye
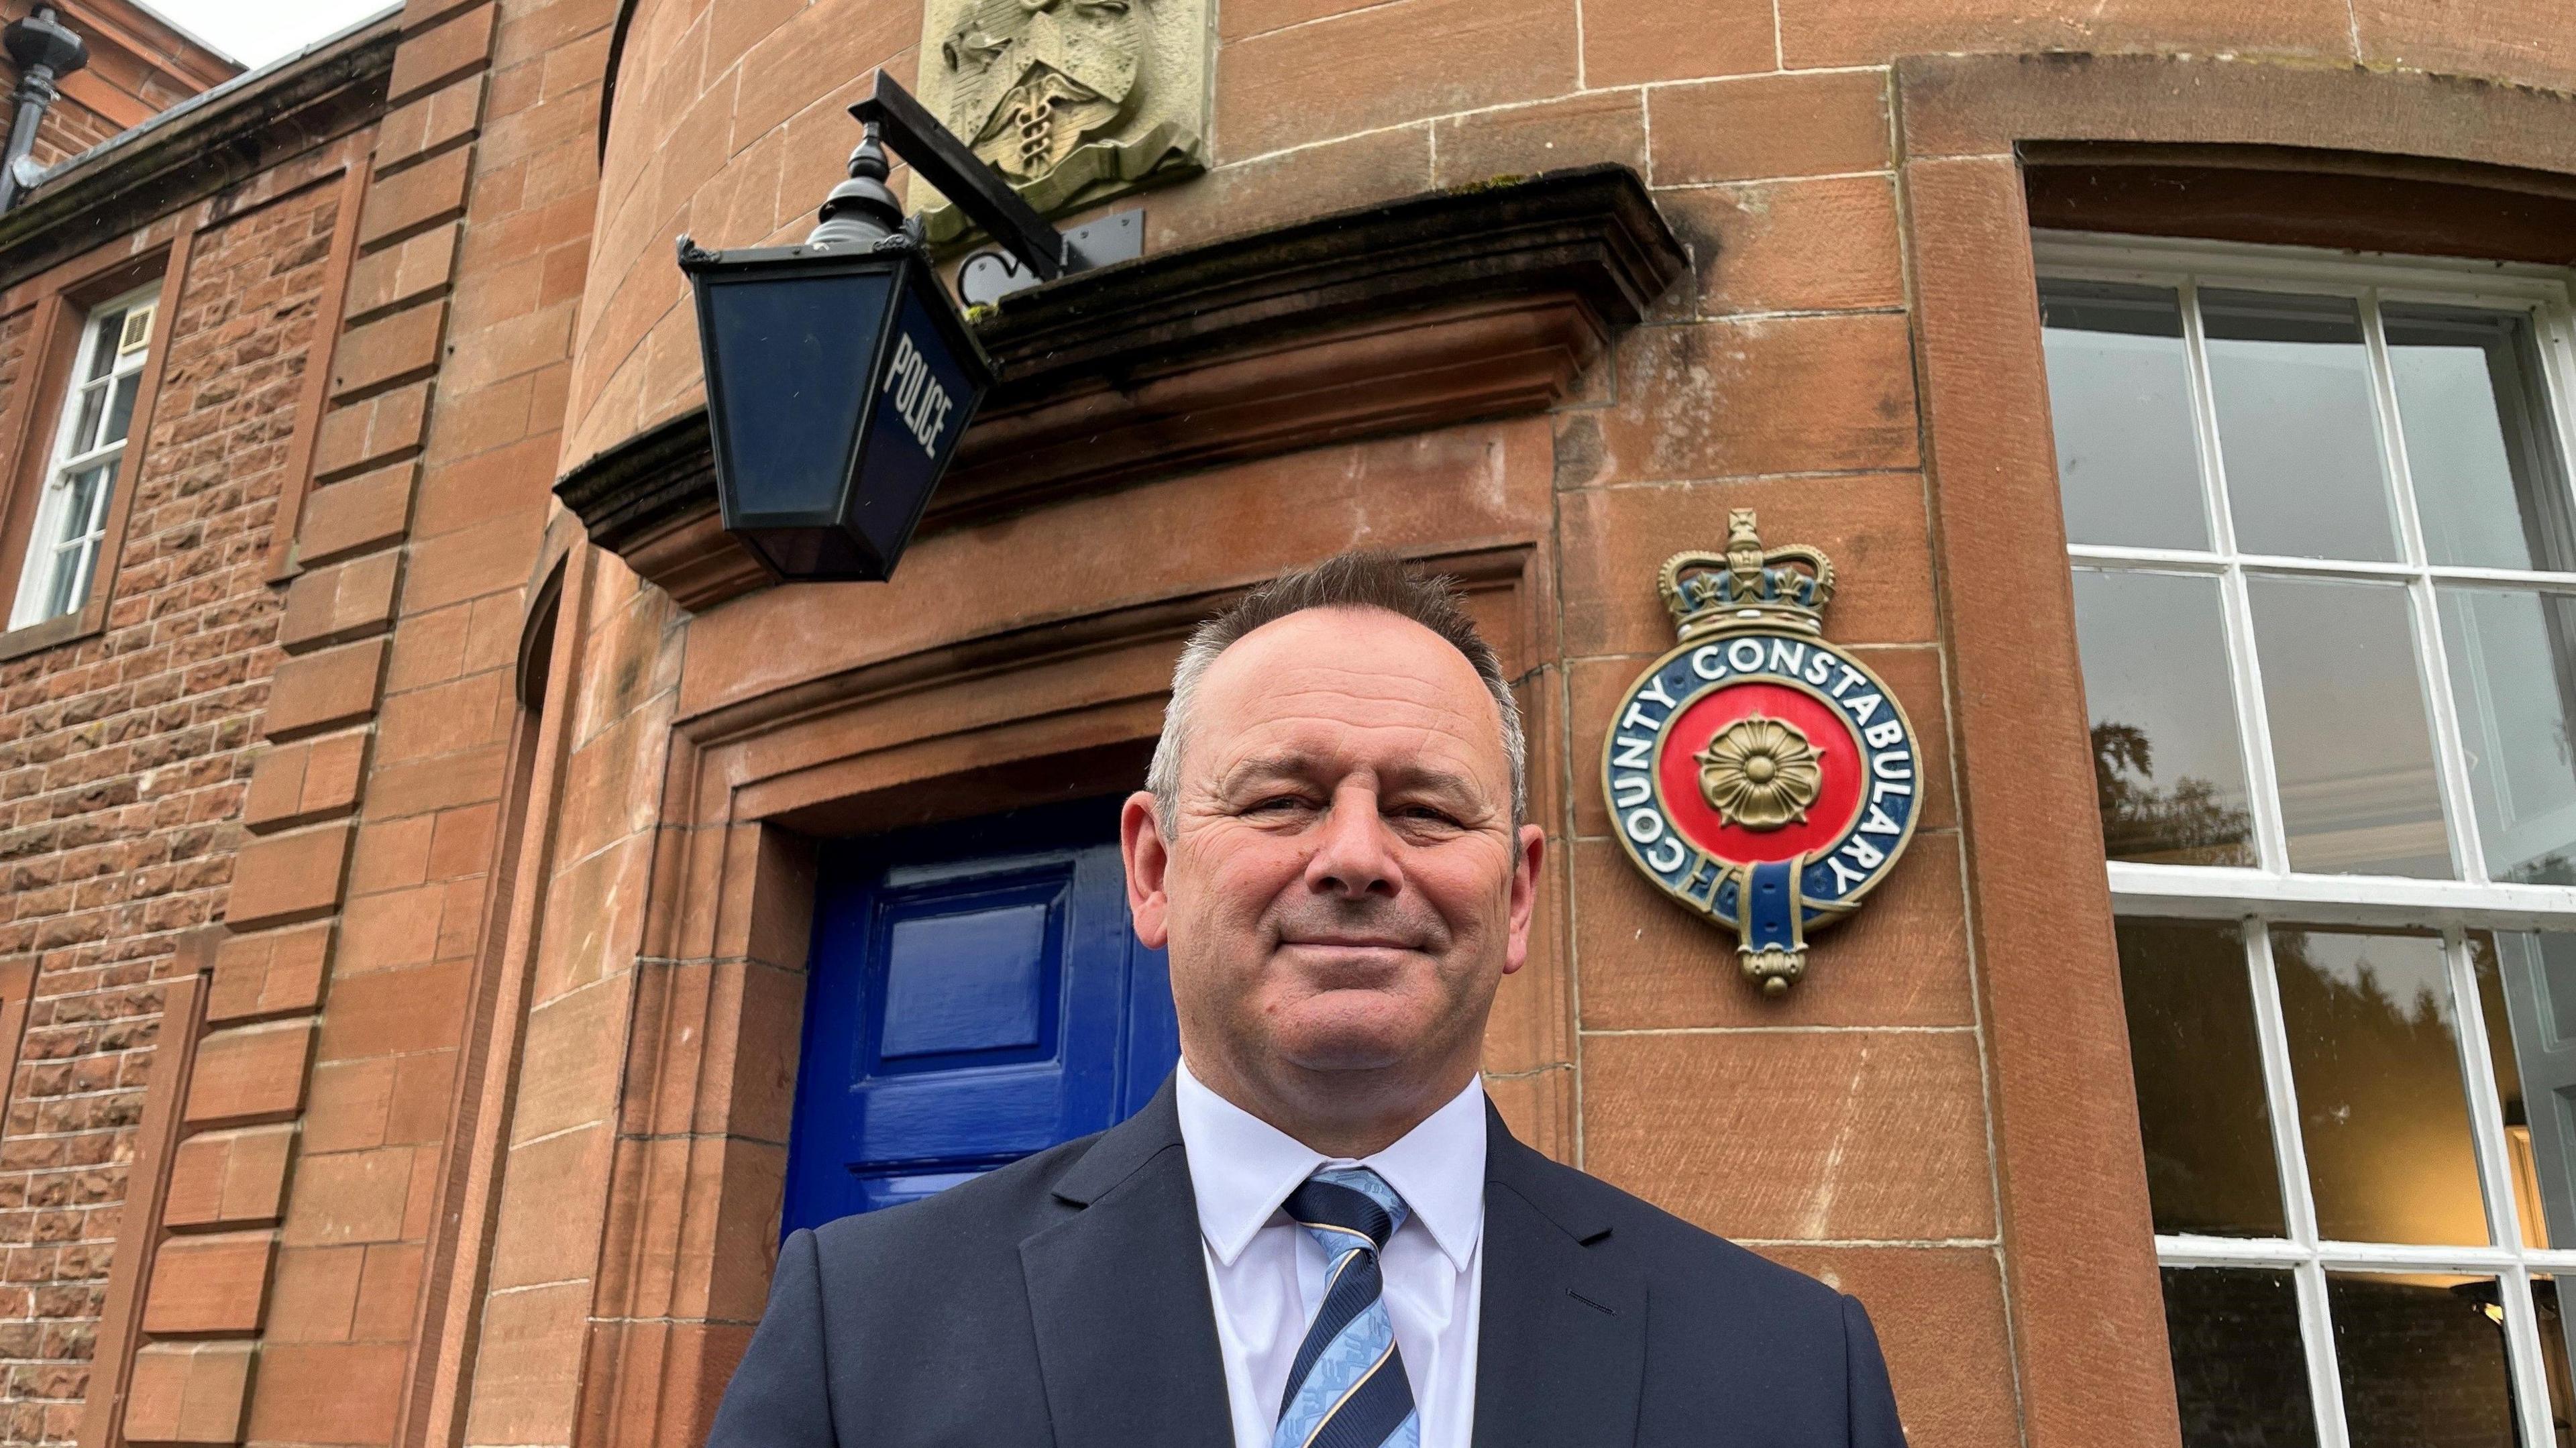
column 1424, row 814
column 1276, row 804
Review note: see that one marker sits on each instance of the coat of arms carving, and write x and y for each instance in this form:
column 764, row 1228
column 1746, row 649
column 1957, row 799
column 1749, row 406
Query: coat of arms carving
column 1073, row 101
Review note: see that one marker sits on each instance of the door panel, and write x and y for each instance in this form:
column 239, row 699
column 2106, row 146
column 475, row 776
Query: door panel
column 975, row 995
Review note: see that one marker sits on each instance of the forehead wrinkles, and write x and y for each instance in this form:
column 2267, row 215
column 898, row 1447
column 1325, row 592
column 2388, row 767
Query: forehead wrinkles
column 1318, row 692
column 1377, row 659
column 1404, row 729
column 1326, row 671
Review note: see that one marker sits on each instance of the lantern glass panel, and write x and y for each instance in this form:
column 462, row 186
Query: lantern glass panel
column 925, row 394
column 791, row 359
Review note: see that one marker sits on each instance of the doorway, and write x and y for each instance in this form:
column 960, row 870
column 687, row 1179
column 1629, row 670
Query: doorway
column 975, row 994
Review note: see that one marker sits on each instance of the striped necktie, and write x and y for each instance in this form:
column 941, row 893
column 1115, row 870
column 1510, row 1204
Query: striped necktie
column 1348, row 1389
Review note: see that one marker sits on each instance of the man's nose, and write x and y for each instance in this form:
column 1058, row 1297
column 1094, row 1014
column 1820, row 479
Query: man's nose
column 1352, row 856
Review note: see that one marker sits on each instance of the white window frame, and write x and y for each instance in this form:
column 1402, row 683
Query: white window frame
column 55, row 539
column 2270, row 893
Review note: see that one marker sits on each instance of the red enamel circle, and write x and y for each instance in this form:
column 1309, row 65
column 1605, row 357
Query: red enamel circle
column 1838, row 794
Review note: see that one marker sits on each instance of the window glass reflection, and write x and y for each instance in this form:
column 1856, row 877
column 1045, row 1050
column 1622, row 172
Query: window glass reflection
column 2512, row 656
column 2527, row 988
column 2495, row 1006
column 2239, row 1373
column 2422, row 1360
column 2119, row 390
column 102, row 348
column 2290, row 379
column 2487, row 482
column 120, row 412
column 2553, row 1359
column 93, row 403
column 2374, row 1056
column 2350, row 741
column 2199, row 1073
column 2168, row 768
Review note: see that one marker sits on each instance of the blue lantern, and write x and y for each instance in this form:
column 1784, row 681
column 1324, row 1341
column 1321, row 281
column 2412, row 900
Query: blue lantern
column 839, row 379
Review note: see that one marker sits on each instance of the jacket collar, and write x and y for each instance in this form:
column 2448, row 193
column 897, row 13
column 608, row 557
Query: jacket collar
column 1242, row 1168
column 1561, row 1339
column 1118, row 1297
column 1126, row 1333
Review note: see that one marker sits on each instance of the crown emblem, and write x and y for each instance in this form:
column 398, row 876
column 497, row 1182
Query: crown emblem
column 1746, row 587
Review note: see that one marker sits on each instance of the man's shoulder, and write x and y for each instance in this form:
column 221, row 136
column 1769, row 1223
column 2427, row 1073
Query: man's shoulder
column 1678, row 1259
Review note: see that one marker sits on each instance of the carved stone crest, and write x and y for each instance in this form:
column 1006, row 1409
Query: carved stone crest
column 1073, row 101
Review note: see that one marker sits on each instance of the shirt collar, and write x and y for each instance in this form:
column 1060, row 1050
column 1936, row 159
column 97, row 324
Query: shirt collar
column 1242, row 1168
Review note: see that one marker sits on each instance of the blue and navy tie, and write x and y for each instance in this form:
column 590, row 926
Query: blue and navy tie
column 1348, row 1389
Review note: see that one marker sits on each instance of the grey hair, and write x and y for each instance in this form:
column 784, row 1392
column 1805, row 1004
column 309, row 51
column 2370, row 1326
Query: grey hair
column 1355, row 579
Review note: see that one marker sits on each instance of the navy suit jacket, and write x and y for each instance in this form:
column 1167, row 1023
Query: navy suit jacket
column 1061, row 1302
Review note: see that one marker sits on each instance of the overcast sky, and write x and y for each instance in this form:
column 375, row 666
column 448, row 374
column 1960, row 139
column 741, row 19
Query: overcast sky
column 256, row 32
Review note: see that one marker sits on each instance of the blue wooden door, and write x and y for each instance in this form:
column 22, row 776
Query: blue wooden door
column 975, row 995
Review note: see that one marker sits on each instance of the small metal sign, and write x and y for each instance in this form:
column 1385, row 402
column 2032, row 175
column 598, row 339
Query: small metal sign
column 1756, row 774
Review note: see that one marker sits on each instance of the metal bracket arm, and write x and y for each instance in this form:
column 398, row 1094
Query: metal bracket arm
column 944, row 161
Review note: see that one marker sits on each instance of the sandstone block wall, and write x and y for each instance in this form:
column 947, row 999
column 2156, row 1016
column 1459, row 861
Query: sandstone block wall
column 483, row 1139
column 124, row 758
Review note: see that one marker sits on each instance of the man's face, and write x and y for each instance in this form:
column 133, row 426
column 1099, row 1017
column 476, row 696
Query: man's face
column 1345, row 887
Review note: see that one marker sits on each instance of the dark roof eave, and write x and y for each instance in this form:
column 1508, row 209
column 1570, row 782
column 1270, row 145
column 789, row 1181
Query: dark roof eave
column 199, row 147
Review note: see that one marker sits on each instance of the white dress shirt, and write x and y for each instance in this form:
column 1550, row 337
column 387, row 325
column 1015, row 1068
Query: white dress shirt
column 1266, row 1273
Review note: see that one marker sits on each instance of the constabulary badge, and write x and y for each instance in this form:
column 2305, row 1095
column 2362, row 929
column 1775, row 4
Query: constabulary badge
column 1757, row 775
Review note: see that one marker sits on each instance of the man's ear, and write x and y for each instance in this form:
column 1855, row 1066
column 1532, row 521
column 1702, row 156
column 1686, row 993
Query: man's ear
column 1141, row 845
column 1529, row 853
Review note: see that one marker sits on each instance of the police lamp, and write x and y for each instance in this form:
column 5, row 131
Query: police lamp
column 839, row 377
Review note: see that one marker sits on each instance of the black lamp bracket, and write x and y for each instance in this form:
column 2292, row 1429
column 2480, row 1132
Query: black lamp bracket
column 945, row 162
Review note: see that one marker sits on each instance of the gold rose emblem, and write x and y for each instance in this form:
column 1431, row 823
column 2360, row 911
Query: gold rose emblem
column 1759, row 773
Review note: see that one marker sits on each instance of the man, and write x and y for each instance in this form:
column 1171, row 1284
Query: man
column 1319, row 1235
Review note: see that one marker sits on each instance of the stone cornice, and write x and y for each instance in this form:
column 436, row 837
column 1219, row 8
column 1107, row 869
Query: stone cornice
column 1419, row 313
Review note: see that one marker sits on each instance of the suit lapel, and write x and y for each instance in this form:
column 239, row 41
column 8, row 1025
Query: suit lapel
column 1560, row 1349
column 1119, row 1297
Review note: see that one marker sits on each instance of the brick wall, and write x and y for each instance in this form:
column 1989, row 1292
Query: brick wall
column 353, row 992
column 123, row 760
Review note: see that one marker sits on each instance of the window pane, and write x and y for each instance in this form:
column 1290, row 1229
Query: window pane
column 2199, row 1073
column 120, row 412
column 2527, row 982
column 93, row 403
column 2239, row 1371
column 2290, row 379
column 2350, row 740
column 2553, row 1356
column 2374, row 1055
column 102, row 346
column 2119, row 389
column 68, row 588
column 2488, row 483
column 62, row 589
column 2512, row 656
column 2168, row 768
column 67, row 584
column 97, row 489
column 2530, row 1213
column 89, row 488
column 2422, row 1361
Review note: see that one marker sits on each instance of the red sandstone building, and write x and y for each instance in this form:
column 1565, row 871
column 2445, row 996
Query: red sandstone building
column 460, row 905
